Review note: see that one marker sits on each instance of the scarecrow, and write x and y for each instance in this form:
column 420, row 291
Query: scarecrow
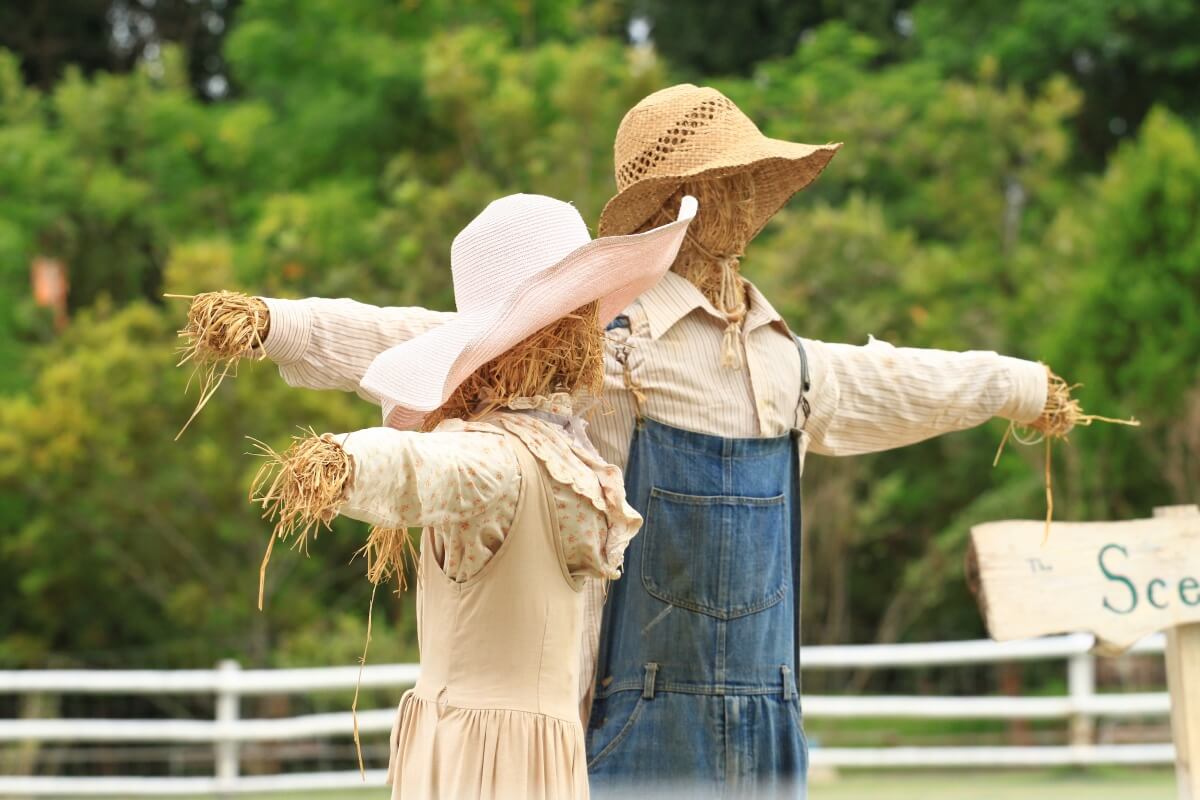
column 710, row 406
column 482, row 449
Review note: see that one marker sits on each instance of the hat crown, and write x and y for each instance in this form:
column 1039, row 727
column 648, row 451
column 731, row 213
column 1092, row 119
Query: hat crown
column 675, row 129
column 512, row 240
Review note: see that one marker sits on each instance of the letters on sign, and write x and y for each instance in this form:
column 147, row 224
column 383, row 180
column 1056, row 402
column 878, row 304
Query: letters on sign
column 1118, row 580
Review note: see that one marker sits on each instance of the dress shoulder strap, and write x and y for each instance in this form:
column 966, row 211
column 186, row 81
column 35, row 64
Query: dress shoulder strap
column 536, row 509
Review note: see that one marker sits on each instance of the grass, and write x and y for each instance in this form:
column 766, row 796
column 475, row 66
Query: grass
column 1065, row 784
column 1060, row 784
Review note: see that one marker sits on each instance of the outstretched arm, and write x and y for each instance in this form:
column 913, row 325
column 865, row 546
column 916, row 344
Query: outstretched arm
column 464, row 483
column 878, row 397
column 406, row 479
column 328, row 344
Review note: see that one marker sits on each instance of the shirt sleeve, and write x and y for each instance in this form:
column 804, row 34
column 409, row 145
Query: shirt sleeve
column 877, row 397
column 328, row 344
column 445, row 479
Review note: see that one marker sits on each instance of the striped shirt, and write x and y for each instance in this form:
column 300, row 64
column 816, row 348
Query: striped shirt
column 862, row 398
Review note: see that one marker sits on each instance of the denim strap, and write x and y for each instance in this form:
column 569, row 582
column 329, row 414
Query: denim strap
column 805, row 383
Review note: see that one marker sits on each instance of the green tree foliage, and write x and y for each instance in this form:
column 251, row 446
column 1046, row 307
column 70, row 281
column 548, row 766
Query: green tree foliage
column 358, row 138
column 1124, row 56
column 104, row 512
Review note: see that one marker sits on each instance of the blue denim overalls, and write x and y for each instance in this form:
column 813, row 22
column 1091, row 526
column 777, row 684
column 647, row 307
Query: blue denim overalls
column 696, row 682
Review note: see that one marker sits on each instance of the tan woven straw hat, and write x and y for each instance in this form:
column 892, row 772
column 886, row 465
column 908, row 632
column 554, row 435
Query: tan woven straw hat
column 688, row 132
column 523, row 263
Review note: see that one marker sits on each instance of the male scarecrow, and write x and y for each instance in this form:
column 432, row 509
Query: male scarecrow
column 710, row 405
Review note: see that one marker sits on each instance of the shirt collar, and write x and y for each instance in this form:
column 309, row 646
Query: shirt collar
column 674, row 297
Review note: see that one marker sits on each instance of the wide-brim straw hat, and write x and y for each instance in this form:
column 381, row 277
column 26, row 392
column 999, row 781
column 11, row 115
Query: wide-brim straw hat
column 691, row 132
column 523, row 263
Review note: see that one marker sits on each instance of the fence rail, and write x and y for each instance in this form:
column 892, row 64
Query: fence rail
column 228, row 683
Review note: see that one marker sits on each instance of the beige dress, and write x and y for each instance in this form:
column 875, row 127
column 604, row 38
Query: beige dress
column 495, row 712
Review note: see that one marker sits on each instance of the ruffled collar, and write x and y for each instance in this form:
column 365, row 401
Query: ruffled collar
column 558, row 438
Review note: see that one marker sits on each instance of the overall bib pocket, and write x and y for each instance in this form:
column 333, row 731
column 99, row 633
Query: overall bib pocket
column 718, row 555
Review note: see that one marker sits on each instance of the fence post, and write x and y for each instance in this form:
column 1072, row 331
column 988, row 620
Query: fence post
column 228, row 702
column 1183, row 682
column 1081, row 686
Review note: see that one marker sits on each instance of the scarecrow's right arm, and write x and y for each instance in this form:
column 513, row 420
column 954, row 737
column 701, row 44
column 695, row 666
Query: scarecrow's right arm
column 466, row 483
column 405, row 478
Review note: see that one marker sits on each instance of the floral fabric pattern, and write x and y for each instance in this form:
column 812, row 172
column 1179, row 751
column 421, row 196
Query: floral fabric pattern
column 462, row 482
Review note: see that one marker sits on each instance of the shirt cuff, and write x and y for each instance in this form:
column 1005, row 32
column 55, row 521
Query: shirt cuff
column 1027, row 399
column 290, row 330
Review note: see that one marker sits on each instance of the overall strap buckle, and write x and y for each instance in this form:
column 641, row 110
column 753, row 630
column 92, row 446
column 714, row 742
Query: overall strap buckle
column 648, row 685
column 789, row 685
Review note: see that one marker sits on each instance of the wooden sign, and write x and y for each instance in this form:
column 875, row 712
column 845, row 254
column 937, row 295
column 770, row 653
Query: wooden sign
column 1117, row 580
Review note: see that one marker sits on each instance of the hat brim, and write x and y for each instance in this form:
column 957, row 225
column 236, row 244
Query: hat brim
column 416, row 377
column 780, row 169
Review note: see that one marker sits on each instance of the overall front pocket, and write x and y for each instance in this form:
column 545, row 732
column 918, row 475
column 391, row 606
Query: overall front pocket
column 715, row 554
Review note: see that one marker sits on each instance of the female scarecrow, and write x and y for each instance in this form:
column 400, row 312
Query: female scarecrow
column 689, row 670
column 517, row 507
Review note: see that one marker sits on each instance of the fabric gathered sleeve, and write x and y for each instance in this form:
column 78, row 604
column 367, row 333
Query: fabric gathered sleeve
column 321, row 343
column 445, row 479
column 877, row 397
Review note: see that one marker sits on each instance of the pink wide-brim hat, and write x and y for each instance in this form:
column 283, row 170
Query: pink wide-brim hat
column 524, row 262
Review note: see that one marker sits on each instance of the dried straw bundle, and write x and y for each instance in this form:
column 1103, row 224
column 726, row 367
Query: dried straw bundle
column 388, row 552
column 713, row 246
column 222, row 328
column 1061, row 414
column 565, row 356
column 301, row 489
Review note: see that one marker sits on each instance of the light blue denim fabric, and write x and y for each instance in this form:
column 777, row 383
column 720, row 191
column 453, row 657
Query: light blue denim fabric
column 697, row 692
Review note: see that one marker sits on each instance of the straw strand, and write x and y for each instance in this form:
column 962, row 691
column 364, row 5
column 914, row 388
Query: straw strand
column 301, row 489
column 222, row 328
column 1061, row 414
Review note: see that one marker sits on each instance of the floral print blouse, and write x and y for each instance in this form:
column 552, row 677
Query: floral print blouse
column 462, row 482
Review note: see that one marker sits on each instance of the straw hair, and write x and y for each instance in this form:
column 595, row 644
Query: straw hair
column 222, row 328
column 565, row 356
column 1061, row 415
column 710, row 257
column 300, row 489
column 687, row 132
column 718, row 236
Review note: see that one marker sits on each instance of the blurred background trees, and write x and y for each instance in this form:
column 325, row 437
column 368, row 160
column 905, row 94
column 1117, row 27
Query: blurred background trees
column 1020, row 177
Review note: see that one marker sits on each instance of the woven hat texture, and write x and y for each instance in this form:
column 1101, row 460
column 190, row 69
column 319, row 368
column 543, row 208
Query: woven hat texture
column 524, row 262
column 688, row 132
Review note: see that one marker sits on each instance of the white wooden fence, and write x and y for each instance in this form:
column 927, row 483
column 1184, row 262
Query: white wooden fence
column 228, row 730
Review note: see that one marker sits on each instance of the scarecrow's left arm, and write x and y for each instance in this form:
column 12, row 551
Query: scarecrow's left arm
column 878, row 397
column 318, row 343
column 321, row 343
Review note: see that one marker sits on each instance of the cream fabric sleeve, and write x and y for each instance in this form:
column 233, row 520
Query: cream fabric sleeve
column 876, row 397
column 445, row 480
column 328, row 344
